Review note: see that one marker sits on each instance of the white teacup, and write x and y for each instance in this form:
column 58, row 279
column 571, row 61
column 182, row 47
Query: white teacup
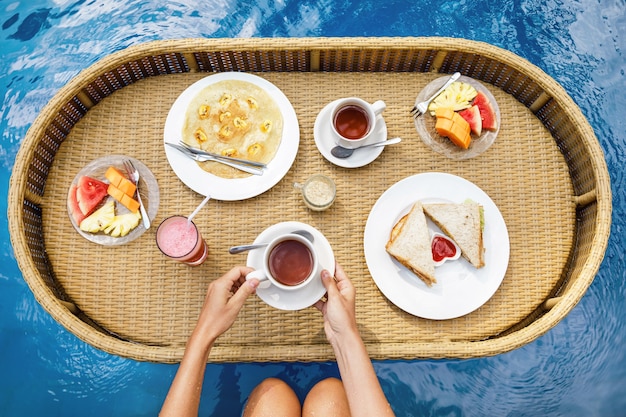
column 289, row 262
column 353, row 121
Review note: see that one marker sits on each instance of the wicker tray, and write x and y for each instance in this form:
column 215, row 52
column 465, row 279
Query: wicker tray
column 546, row 173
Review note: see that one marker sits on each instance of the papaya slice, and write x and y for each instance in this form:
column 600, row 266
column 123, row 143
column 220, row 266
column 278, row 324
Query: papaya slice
column 127, row 201
column 130, row 203
column 453, row 126
column 118, row 179
column 122, row 189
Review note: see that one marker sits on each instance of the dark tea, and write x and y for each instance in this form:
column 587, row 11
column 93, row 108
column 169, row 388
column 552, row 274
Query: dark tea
column 351, row 122
column 290, row 262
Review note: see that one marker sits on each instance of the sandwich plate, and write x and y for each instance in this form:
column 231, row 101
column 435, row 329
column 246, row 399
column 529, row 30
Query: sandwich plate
column 460, row 288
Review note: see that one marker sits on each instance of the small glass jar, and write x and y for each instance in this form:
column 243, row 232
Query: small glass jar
column 318, row 192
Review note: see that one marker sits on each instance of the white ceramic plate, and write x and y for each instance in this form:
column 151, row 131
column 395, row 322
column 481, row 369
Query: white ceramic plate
column 314, row 290
column 425, row 124
column 322, row 133
column 460, row 288
column 220, row 188
column 148, row 188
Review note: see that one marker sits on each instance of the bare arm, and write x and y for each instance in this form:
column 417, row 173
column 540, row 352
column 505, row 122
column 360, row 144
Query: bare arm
column 224, row 299
column 365, row 396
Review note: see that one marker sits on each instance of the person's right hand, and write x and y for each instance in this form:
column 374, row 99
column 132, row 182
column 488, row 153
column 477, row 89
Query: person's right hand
column 224, row 298
column 338, row 309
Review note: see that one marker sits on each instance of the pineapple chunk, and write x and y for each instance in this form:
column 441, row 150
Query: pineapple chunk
column 99, row 219
column 458, row 96
column 123, row 224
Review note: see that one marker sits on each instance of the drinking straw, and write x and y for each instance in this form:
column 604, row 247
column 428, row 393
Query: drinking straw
column 191, row 216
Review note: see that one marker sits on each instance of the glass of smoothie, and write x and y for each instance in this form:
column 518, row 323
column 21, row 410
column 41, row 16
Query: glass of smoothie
column 180, row 239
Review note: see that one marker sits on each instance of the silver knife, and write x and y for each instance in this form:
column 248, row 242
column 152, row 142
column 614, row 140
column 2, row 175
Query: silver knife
column 202, row 158
column 218, row 156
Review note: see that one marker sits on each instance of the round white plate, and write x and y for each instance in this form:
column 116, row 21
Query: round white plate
column 220, row 188
column 148, row 188
column 314, row 290
column 425, row 124
column 322, row 133
column 460, row 288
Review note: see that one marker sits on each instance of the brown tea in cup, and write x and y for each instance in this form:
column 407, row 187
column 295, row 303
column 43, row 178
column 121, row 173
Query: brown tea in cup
column 352, row 122
column 290, row 262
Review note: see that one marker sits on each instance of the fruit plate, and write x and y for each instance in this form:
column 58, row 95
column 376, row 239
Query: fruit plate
column 148, row 189
column 425, row 124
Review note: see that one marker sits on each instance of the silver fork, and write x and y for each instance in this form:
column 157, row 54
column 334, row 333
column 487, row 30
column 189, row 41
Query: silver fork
column 421, row 108
column 202, row 158
column 133, row 175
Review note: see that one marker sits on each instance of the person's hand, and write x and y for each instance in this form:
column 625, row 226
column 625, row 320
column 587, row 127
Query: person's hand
column 223, row 301
column 338, row 309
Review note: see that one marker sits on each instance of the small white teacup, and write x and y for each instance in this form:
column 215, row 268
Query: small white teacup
column 289, row 263
column 353, row 121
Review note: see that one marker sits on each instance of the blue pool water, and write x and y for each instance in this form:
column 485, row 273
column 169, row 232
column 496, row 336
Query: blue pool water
column 576, row 369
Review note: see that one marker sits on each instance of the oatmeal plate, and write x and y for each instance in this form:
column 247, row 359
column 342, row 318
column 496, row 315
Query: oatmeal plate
column 238, row 115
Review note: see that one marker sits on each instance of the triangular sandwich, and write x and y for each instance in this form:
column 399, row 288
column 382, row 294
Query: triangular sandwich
column 409, row 243
column 462, row 223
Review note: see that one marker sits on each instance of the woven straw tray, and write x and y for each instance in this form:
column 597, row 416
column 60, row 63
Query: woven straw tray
column 546, row 173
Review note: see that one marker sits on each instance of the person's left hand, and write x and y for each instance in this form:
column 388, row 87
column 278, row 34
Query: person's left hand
column 224, row 299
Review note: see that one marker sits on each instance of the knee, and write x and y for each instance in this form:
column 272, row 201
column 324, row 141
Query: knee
column 327, row 397
column 272, row 395
column 328, row 385
column 269, row 384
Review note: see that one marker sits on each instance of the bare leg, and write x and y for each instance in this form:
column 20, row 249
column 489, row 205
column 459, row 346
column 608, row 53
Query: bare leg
column 327, row 398
column 272, row 398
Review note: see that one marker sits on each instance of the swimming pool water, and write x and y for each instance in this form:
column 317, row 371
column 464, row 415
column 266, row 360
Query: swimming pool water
column 576, row 369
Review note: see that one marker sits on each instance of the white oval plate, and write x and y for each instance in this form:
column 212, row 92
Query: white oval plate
column 227, row 189
column 460, row 288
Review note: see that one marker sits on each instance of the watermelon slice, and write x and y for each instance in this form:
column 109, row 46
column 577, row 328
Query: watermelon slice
column 89, row 193
column 75, row 211
column 472, row 116
column 487, row 113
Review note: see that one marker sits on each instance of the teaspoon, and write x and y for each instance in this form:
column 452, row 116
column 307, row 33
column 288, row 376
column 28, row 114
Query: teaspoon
column 242, row 248
column 341, row 152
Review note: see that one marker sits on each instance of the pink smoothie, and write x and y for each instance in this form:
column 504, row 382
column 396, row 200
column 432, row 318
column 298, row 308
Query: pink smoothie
column 178, row 239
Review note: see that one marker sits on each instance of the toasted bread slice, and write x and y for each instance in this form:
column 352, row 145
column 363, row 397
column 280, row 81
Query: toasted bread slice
column 409, row 243
column 461, row 222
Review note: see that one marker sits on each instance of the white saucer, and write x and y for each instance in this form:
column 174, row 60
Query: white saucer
column 324, row 141
column 314, row 290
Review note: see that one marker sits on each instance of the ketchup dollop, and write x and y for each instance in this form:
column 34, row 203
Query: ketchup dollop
column 442, row 248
